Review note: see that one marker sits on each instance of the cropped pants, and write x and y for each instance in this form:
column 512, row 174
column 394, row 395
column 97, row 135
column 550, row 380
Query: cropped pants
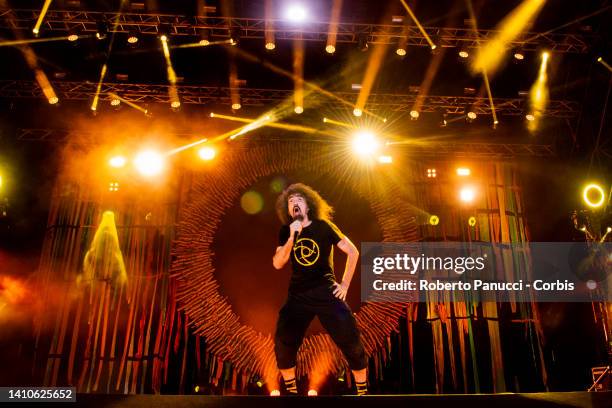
column 335, row 316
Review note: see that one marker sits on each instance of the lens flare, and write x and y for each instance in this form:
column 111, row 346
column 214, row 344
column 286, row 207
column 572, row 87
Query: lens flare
column 467, row 194
column 365, row 143
column 207, row 153
column 117, row 161
column 149, row 163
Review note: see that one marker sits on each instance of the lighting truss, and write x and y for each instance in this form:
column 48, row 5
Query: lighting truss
column 221, row 27
column 203, row 95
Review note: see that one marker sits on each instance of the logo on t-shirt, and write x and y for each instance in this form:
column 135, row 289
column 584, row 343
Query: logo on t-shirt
column 306, row 251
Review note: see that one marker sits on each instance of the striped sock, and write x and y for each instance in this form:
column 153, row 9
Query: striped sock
column 362, row 388
column 291, row 386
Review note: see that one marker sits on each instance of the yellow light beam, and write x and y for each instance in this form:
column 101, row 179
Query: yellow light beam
column 538, row 94
column 269, row 25
column 13, row 43
column 425, row 86
column 338, row 123
column 604, row 63
column 129, row 103
column 332, row 33
column 188, row 146
column 233, row 81
column 267, row 122
column 374, row 63
column 416, row 21
column 41, row 17
column 39, row 74
column 491, row 54
column 298, row 74
column 198, row 44
column 175, row 101
column 94, row 104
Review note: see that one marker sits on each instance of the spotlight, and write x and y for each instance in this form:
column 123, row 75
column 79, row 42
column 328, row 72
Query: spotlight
column 73, row 37
column 298, row 109
column 519, row 55
column 149, row 163
column 357, row 112
column 236, row 106
column 414, row 114
column 275, row 393
column 330, row 49
column 205, row 37
column 113, row 186
column 472, row 221
column 270, row 46
column 132, row 38
column 312, row 393
column 431, row 173
column 434, row 220
column 463, row 53
column 115, row 101
column 234, row 36
column 204, row 42
column 467, row 194
column 117, row 161
column 401, row 52
column 207, row 153
column 196, row 388
column 530, row 117
column 175, row 104
column 101, row 30
column 296, row 13
column 385, row 159
column 593, row 195
column 471, row 115
column 362, row 42
column 463, row 171
column 365, row 143
column 53, row 100
column 164, row 30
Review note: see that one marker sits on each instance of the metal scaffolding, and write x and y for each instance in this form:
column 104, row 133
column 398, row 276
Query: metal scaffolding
column 203, row 95
column 223, row 27
column 433, row 150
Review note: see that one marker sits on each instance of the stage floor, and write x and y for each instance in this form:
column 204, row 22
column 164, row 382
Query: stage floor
column 550, row 399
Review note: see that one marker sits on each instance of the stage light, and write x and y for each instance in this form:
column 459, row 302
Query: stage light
column 385, row 159
column 357, row 112
column 330, row 49
column 236, row 106
column 365, row 143
column 472, row 221
column 463, row 171
column 464, row 53
column 275, row 393
column 298, row 110
column 117, row 161
column 414, row 114
column 270, row 46
column 433, row 47
column 207, row 153
column 132, row 38
column 362, row 42
column 204, row 42
column 471, row 115
column 175, row 104
column 113, row 186
column 431, row 173
column 259, row 383
column 41, row 16
column 296, row 13
column 519, row 55
column 196, row 388
column 73, row 37
column 530, row 117
column 467, row 194
column 53, row 100
column 538, row 94
column 593, row 195
column 312, row 393
column 401, row 52
column 149, row 163
column 101, row 30
column 434, row 220
column 115, row 102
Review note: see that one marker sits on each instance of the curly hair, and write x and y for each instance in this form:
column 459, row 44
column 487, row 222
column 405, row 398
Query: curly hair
column 319, row 209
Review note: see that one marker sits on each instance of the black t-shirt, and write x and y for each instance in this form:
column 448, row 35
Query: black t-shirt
column 312, row 256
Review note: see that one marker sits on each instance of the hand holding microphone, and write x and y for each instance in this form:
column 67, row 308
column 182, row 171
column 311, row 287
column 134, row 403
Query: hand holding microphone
column 295, row 228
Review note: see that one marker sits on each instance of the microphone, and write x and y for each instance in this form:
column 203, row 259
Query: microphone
column 297, row 217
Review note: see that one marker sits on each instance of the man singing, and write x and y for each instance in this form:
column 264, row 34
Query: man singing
column 308, row 238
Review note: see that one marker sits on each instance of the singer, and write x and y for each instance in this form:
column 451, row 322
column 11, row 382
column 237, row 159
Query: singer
column 308, row 237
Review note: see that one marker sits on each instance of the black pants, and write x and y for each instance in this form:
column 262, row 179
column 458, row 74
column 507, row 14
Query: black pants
column 335, row 316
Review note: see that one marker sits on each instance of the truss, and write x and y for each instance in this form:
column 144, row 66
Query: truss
column 221, row 27
column 430, row 149
column 202, row 95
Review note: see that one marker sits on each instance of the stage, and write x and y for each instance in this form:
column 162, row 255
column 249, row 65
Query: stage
column 527, row 400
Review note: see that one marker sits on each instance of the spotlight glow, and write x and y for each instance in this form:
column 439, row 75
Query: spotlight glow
column 471, row 115
column 73, row 37
column 175, row 104
column 401, row 52
column 236, row 106
column 431, row 173
column 312, row 393
column 464, row 54
column 385, row 159
column 204, row 42
column 590, row 191
column 132, row 39
column 330, row 49
column 414, row 114
column 463, row 171
column 519, row 56
column 117, row 161
column 270, row 46
column 296, row 13
column 357, row 112
column 365, row 143
column 149, row 163
column 472, row 221
column 467, row 194
column 115, row 102
column 275, row 393
column 53, row 100
column 207, row 153
column 434, row 220
column 530, row 117
column 298, row 110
